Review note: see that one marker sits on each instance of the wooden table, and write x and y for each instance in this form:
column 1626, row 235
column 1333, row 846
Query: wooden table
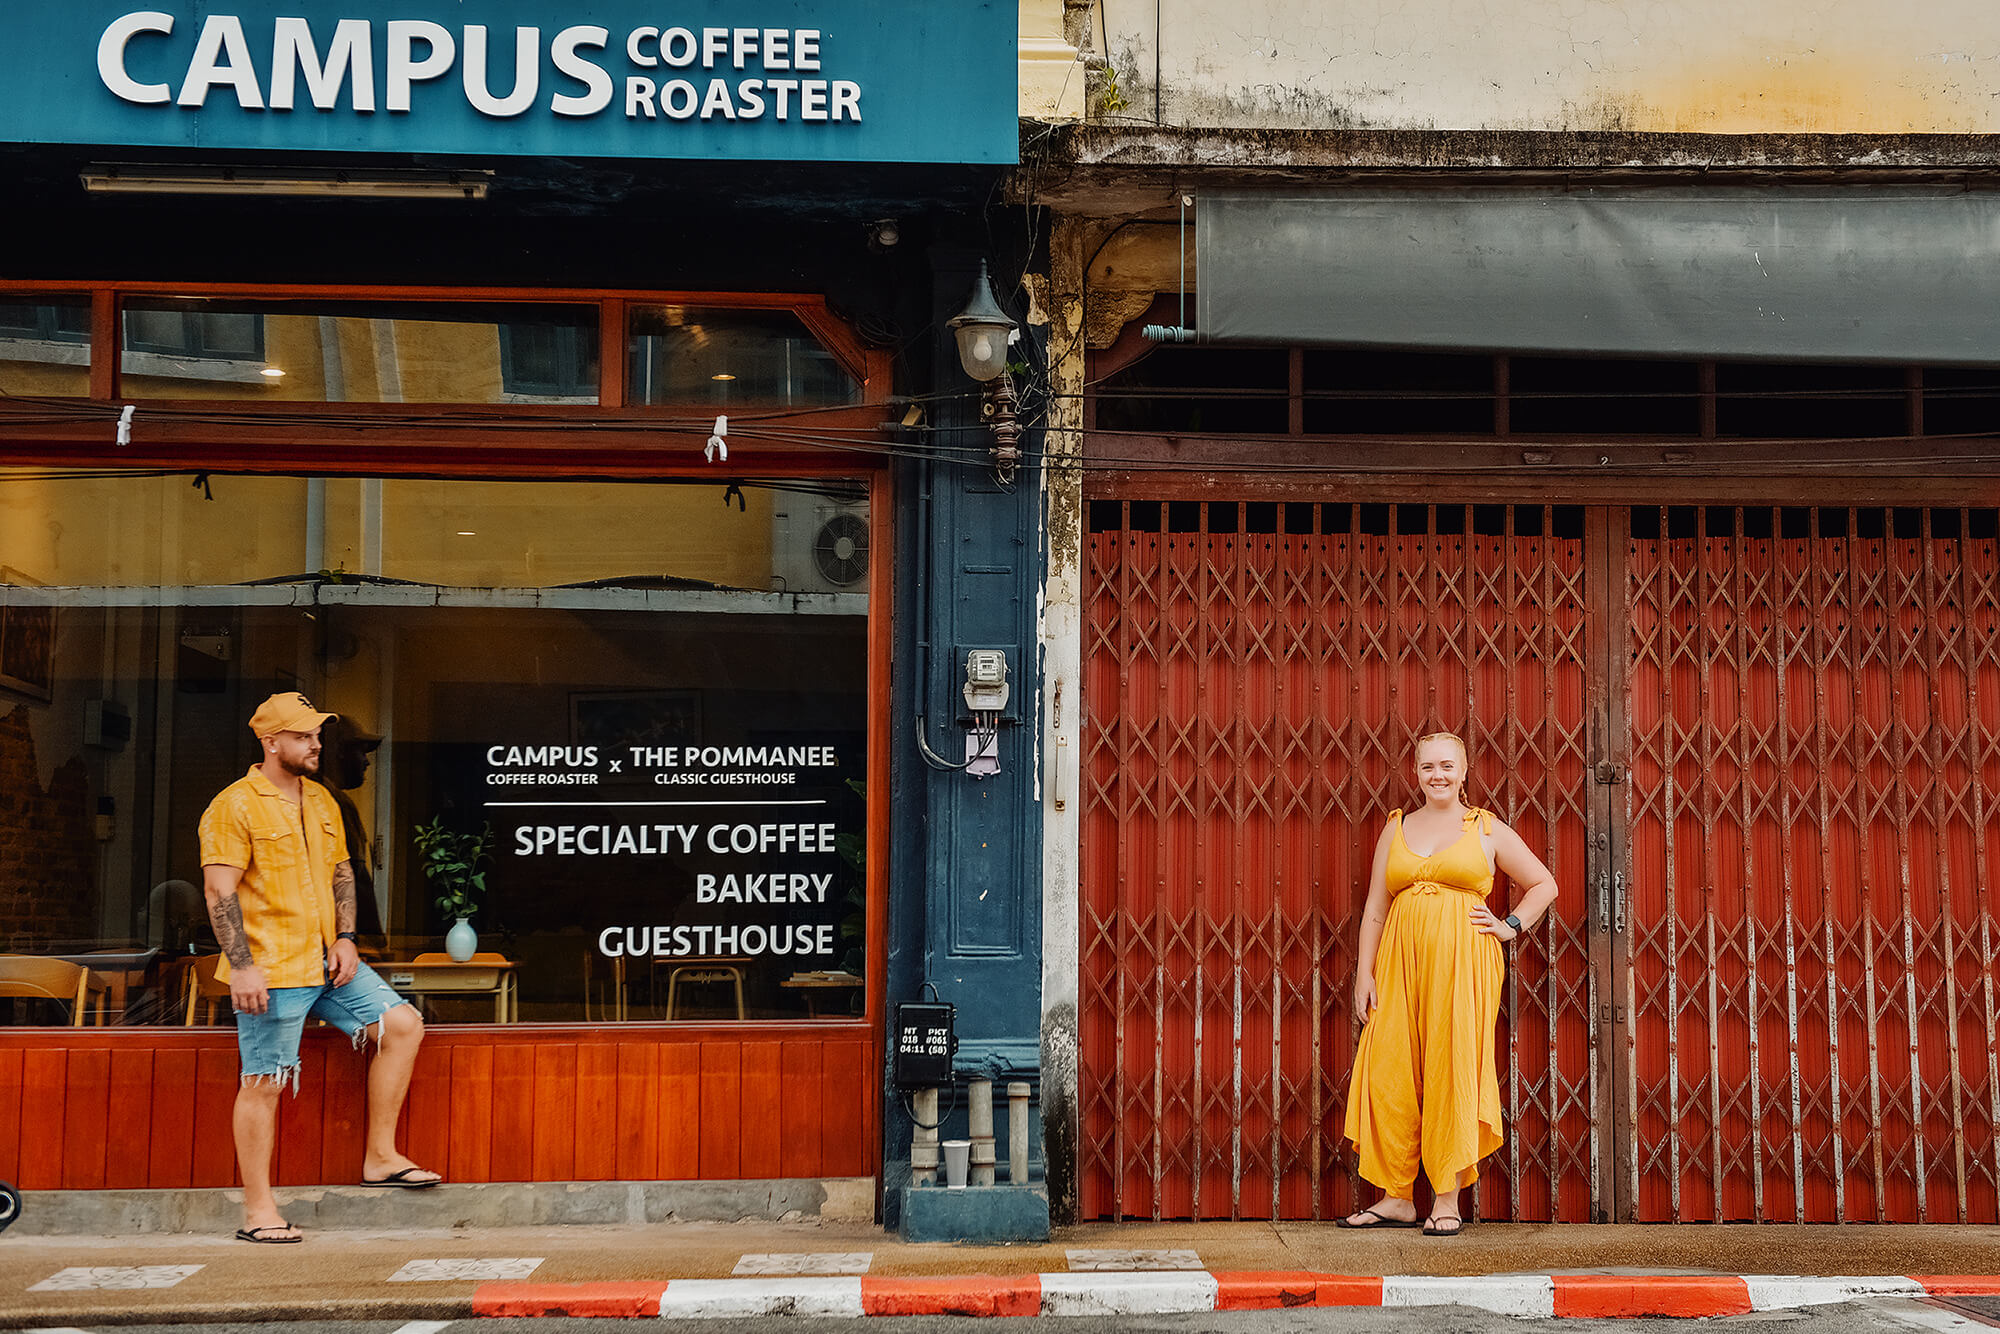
column 458, row 979
column 812, row 986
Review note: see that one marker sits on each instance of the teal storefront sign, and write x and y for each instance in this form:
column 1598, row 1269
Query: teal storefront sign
column 771, row 80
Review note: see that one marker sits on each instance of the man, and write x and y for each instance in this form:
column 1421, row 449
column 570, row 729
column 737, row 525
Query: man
column 345, row 753
column 281, row 896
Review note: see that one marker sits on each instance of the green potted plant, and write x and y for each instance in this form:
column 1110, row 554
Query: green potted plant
column 453, row 863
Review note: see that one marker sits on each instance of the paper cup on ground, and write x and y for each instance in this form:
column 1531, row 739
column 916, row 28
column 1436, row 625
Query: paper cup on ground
column 957, row 1152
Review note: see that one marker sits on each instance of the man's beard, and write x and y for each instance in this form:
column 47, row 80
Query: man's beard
column 305, row 768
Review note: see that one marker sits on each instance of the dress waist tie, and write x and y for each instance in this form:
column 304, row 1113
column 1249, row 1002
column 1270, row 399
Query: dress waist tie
column 1439, row 887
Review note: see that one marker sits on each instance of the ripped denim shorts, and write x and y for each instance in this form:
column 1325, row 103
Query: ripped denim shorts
column 268, row 1044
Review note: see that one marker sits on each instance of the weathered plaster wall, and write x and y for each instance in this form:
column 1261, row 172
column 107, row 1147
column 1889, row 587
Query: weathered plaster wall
column 1674, row 66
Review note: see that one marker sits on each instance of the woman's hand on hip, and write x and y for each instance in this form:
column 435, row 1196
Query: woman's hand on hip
column 1485, row 922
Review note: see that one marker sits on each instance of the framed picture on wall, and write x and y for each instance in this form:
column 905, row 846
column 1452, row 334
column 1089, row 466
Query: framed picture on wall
column 27, row 637
column 620, row 718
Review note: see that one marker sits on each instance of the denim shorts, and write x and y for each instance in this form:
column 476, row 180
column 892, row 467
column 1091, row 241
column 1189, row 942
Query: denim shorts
column 267, row 1044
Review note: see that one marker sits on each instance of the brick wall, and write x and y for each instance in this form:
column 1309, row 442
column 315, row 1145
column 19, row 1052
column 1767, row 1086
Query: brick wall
column 47, row 857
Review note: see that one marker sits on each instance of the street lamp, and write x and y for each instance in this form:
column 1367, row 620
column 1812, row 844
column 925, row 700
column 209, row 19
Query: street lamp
column 983, row 332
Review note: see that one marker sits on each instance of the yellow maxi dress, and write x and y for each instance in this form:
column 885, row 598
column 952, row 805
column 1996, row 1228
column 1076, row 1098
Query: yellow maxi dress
column 1426, row 1088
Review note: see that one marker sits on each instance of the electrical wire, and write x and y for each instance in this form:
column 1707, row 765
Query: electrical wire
column 910, row 1110
column 1399, row 453
column 985, row 734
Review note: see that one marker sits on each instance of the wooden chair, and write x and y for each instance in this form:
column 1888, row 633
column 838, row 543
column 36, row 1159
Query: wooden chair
column 705, row 973
column 602, row 979
column 66, row 983
column 204, row 986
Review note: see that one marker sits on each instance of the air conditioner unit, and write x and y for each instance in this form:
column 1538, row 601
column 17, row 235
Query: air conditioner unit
column 819, row 545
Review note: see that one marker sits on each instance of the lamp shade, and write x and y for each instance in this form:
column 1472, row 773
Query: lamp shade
column 982, row 329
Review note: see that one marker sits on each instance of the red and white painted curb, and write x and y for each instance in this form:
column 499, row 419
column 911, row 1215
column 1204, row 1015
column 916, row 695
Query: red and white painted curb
column 1156, row 1293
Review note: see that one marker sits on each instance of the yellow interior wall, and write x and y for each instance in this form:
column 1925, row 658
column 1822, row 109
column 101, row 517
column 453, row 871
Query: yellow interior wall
column 34, row 379
column 141, row 531
column 377, row 361
column 126, row 531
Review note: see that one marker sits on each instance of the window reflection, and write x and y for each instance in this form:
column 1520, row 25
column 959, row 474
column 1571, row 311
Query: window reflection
column 182, row 530
column 45, row 346
column 633, row 686
column 722, row 356
column 355, row 352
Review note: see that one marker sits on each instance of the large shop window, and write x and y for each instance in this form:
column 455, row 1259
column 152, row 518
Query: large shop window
column 652, row 695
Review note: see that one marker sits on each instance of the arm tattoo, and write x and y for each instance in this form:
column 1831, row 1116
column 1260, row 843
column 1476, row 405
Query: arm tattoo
column 225, row 914
column 343, row 896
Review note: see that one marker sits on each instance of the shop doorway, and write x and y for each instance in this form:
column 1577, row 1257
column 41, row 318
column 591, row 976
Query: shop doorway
column 1759, row 747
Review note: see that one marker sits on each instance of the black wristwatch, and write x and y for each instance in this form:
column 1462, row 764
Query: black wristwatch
column 1514, row 922
column 349, row 935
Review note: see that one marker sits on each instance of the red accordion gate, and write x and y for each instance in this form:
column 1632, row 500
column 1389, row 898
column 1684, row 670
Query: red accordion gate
column 1759, row 748
column 1814, row 812
column 1254, row 676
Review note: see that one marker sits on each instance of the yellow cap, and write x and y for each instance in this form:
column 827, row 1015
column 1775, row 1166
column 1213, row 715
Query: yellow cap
column 286, row 711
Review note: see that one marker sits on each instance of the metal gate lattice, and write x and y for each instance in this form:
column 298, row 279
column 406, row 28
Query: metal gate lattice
column 1255, row 677
column 1814, row 709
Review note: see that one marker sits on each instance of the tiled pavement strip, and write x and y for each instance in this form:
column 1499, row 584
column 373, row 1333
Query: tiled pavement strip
column 856, row 1270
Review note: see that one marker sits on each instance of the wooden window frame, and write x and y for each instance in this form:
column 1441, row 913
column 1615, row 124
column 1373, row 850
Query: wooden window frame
column 610, row 439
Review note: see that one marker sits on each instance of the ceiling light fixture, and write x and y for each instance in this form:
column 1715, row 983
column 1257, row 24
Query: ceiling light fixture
column 273, row 372
column 142, row 179
column 722, row 375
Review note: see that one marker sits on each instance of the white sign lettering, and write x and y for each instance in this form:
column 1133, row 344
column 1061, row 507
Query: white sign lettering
column 729, row 71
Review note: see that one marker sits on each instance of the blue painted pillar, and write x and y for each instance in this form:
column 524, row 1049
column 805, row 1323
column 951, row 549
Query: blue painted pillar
column 965, row 901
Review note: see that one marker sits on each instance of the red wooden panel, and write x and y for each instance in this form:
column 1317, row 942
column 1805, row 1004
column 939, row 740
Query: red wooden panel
column 11, row 1062
column 344, row 1101
column 680, row 1111
column 801, row 1110
column 128, row 1138
column 848, row 1077
column 1255, row 676
column 302, row 1122
column 513, row 1151
column 215, row 1079
column 596, row 1150
column 638, row 1119
column 763, row 1110
column 721, row 1110
column 170, row 1123
column 44, row 1098
column 424, row 1131
column 488, row 1107
column 86, row 1117
column 468, row 1104
column 555, row 1112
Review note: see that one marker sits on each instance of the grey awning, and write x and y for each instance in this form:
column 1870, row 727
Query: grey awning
column 1786, row 274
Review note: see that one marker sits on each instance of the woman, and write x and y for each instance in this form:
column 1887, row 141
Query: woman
column 1426, row 1091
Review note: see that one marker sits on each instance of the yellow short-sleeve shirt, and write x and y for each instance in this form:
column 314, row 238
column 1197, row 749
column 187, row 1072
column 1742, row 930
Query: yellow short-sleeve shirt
column 287, row 852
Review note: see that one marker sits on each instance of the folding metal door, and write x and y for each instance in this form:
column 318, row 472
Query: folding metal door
column 1255, row 675
column 1759, row 747
column 1814, row 721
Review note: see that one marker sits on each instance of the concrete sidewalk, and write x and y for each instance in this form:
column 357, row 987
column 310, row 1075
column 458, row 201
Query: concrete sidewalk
column 835, row 1267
